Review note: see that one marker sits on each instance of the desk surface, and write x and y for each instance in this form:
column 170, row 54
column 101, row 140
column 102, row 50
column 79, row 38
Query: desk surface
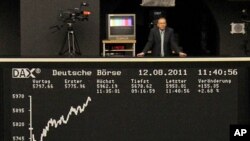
column 118, row 41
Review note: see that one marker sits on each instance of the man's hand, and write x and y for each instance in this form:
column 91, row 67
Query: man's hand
column 142, row 54
column 182, row 54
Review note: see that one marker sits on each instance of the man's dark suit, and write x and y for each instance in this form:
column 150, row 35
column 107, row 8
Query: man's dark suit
column 154, row 42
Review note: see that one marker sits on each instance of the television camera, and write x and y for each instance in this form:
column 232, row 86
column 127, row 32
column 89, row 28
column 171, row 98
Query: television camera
column 76, row 14
column 69, row 17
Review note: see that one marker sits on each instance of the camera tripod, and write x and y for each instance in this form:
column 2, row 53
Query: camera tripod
column 72, row 48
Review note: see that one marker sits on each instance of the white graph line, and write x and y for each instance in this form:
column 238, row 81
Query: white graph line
column 55, row 123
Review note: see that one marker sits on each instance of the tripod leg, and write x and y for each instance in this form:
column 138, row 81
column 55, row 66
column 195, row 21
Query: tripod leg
column 73, row 44
column 61, row 52
column 77, row 48
column 70, row 43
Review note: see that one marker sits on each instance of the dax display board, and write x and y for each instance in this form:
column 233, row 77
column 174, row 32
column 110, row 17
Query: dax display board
column 125, row 101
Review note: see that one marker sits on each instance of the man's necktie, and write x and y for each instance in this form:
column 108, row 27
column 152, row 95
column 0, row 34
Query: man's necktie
column 162, row 43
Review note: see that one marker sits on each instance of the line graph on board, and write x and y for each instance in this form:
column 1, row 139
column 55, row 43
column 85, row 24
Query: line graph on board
column 54, row 122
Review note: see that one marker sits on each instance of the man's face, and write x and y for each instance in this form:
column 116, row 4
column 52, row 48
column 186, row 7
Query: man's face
column 162, row 24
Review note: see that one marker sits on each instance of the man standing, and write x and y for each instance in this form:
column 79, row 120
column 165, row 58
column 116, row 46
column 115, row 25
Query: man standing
column 161, row 41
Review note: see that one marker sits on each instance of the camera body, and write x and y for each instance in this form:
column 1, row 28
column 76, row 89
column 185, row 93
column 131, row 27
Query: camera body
column 76, row 14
